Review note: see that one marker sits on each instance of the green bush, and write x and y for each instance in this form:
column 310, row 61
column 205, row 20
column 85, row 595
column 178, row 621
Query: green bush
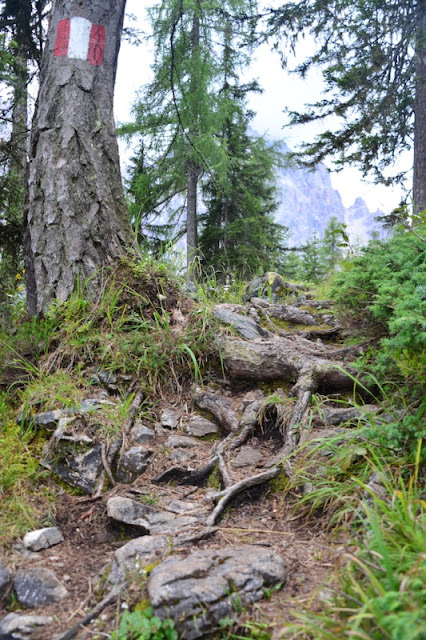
column 386, row 285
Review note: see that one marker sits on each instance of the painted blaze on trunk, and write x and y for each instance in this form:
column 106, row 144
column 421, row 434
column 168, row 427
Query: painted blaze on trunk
column 76, row 216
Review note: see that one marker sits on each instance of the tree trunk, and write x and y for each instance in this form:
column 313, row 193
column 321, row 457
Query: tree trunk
column 76, row 216
column 192, row 170
column 419, row 177
column 191, row 214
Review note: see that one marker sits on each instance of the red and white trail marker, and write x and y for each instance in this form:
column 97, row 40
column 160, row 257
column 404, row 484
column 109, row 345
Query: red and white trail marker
column 79, row 39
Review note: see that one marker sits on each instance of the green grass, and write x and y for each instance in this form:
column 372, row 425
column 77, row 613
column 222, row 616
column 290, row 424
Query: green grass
column 380, row 585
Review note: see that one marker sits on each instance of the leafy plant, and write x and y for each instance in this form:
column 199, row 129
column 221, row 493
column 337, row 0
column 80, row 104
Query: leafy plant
column 144, row 625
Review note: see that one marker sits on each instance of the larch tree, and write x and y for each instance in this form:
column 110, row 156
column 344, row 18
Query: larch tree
column 76, row 218
column 180, row 114
column 373, row 60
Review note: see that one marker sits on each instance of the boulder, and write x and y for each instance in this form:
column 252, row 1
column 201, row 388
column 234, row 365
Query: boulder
column 36, row 587
column 201, row 589
column 42, row 538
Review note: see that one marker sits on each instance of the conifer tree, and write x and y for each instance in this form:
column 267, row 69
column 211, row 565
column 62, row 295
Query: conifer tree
column 181, row 114
column 373, row 59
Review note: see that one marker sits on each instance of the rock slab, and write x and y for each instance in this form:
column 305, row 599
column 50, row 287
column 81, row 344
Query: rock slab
column 201, row 589
column 36, row 587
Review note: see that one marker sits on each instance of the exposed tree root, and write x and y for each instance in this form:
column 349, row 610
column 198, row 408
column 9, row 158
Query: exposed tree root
column 219, row 406
column 225, row 496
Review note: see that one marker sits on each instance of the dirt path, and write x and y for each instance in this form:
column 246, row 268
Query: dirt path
column 294, row 363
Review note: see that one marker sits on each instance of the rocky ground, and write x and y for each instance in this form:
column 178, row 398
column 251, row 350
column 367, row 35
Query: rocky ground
column 189, row 513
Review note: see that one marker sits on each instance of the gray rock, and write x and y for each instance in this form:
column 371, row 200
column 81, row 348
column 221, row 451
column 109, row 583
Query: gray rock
column 50, row 419
column 36, row 586
column 170, row 419
column 5, row 578
column 200, row 427
column 182, row 442
column 42, row 538
column 133, row 463
column 129, row 512
column 201, row 589
column 74, row 458
column 21, row 625
column 181, row 456
column 166, row 523
column 247, row 457
column 153, row 521
column 135, row 556
column 142, row 434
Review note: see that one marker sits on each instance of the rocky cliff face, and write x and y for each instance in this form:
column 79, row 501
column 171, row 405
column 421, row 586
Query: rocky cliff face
column 308, row 201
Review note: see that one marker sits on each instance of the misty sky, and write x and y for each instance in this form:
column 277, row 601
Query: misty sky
column 281, row 90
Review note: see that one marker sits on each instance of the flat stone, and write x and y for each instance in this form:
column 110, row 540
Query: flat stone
column 42, row 538
column 17, row 624
column 154, row 521
column 135, row 556
column 175, row 442
column 129, row 512
column 5, row 578
column 247, row 457
column 134, row 463
column 181, row 456
column 142, row 434
column 170, row 419
column 36, row 587
column 201, row 427
column 166, row 523
column 201, row 589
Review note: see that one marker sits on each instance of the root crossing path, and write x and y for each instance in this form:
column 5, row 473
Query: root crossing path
column 193, row 513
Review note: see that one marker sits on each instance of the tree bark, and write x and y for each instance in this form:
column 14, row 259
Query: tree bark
column 192, row 170
column 419, row 176
column 191, row 214
column 76, row 219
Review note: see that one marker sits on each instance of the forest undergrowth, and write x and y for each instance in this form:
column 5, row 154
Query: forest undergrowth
column 369, row 484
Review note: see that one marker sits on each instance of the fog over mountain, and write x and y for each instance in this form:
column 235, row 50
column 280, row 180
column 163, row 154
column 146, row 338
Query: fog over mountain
column 308, row 201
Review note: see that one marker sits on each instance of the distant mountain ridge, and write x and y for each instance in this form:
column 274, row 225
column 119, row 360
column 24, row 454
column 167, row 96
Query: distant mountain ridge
column 308, row 201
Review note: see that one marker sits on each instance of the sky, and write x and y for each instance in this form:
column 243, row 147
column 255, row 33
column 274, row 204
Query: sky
column 281, row 89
